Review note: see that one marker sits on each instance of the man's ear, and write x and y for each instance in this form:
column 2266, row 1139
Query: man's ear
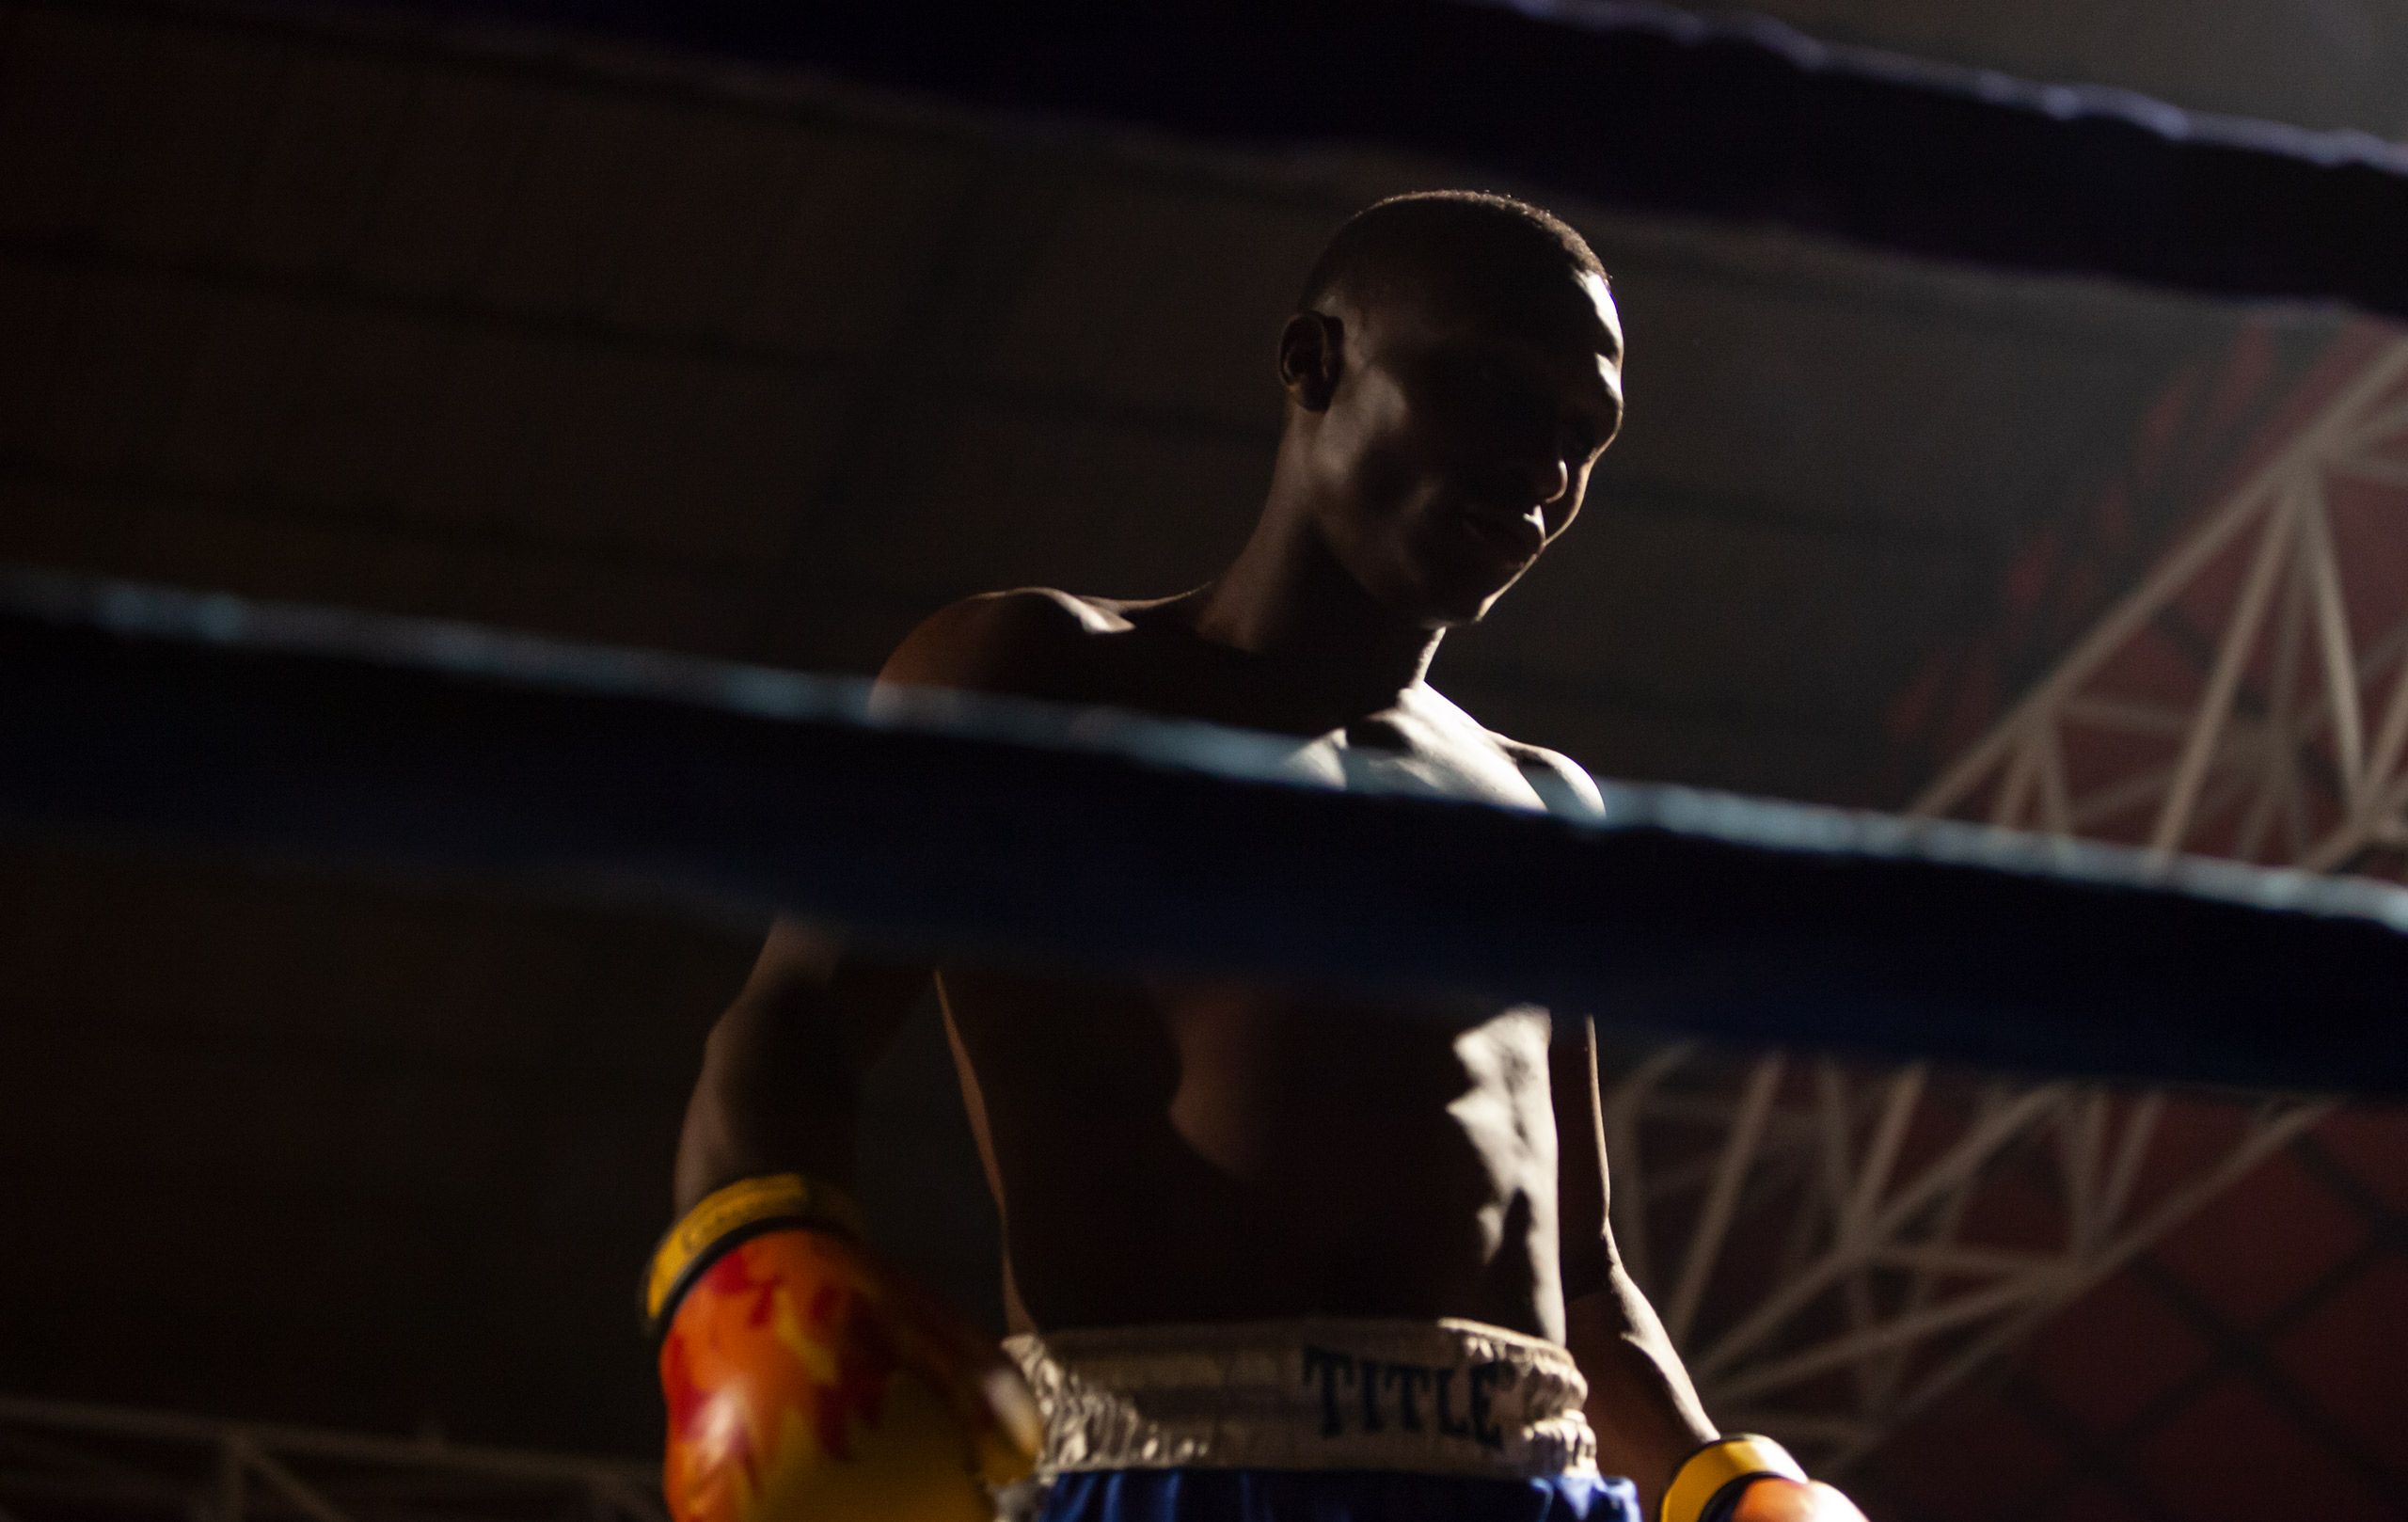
column 1313, row 354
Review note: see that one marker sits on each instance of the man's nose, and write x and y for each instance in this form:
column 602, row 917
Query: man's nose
column 1558, row 479
column 1541, row 475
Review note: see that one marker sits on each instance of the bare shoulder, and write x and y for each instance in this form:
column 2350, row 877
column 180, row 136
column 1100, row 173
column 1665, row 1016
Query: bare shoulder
column 1562, row 784
column 1027, row 642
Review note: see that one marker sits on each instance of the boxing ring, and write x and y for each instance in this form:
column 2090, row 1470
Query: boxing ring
column 1105, row 842
column 164, row 715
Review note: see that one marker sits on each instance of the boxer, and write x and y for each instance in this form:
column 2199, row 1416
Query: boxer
column 1270, row 1253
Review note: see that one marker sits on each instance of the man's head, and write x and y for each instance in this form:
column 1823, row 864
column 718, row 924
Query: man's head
column 1453, row 368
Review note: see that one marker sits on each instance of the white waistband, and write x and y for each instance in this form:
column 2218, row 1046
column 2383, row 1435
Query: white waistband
column 1446, row 1397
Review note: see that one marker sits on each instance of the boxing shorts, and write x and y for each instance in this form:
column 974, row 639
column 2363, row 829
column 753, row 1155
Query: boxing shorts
column 1337, row 1420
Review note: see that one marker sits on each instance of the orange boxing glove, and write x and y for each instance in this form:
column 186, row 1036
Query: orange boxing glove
column 806, row 1380
column 1778, row 1498
column 1748, row 1478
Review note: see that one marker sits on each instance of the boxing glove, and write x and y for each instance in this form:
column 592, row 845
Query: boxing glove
column 1748, row 1478
column 806, row 1380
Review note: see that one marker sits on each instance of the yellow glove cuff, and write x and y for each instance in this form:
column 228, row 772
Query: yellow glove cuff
column 1723, row 1462
column 727, row 1216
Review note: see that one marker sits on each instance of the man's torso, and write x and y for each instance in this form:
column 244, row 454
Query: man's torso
column 1176, row 1150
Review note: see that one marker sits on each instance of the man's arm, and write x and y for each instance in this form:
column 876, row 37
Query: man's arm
column 780, row 1089
column 765, row 1281
column 763, row 1185
column 1650, row 1424
column 1645, row 1411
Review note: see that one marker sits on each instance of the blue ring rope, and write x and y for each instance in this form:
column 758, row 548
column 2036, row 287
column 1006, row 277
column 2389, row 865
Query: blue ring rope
column 1059, row 838
column 1630, row 104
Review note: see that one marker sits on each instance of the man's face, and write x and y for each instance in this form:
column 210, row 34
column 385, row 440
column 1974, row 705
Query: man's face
column 1458, row 442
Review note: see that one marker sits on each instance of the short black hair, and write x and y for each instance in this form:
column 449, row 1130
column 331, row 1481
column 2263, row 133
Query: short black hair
column 1431, row 234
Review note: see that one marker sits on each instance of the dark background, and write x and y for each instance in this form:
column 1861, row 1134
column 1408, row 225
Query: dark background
column 632, row 348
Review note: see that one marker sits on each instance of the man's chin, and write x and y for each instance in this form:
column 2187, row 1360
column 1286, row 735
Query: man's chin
column 1463, row 607
column 1450, row 603
column 1466, row 617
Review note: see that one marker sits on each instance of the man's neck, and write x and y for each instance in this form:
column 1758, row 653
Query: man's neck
column 1287, row 601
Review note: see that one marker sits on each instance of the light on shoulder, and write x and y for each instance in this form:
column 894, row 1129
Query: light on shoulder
column 1562, row 784
column 1009, row 643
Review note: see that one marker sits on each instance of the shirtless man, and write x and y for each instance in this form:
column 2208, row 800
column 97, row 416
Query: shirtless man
column 1264, row 1249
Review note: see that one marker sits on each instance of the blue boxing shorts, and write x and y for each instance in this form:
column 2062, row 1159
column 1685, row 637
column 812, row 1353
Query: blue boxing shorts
column 1335, row 1421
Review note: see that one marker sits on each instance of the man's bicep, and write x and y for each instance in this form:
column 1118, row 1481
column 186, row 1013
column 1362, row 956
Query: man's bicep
column 780, row 1076
column 779, row 1086
column 812, row 970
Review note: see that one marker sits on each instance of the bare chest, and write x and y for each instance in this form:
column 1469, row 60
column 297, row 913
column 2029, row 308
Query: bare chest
column 1417, row 743
column 1402, row 751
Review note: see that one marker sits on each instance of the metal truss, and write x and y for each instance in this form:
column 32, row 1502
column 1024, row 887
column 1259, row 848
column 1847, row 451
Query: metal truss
column 1834, row 1249
column 2288, row 747
column 64, row 1460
